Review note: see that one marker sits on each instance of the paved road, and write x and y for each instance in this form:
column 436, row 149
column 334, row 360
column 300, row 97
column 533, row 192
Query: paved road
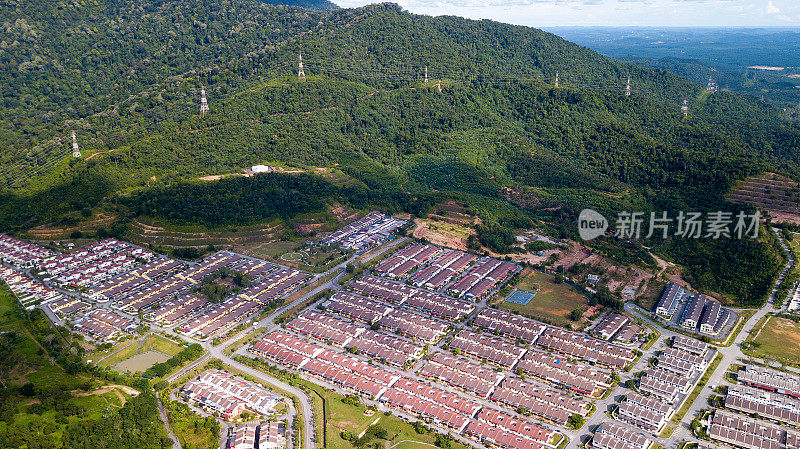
column 730, row 355
column 218, row 352
column 733, row 353
column 575, row 437
column 604, row 405
column 181, row 372
column 176, row 444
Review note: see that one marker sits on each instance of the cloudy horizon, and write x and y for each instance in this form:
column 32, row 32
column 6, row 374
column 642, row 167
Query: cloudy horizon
column 656, row 13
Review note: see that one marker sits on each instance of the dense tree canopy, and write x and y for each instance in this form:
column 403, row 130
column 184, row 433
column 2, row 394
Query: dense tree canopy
column 136, row 425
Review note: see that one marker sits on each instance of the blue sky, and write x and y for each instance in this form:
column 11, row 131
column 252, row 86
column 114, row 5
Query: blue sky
column 549, row 13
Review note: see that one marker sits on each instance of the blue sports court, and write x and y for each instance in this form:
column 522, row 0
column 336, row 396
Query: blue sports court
column 521, row 298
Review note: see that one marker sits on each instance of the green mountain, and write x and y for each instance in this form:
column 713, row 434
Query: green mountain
column 126, row 75
column 316, row 5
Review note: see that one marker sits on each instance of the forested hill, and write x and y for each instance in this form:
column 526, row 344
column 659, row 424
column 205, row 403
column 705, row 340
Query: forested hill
column 126, row 75
column 127, row 65
column 317, row 5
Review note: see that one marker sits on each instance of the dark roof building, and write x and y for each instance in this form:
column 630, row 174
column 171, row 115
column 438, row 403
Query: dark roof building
column 712, row 313
column 693, row 311
column 669, row 299
column 610, row 325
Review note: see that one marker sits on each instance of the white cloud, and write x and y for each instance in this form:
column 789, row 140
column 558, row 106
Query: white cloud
column 772, row 9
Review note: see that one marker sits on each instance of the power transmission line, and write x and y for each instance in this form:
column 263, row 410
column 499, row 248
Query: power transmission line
column 364, row 69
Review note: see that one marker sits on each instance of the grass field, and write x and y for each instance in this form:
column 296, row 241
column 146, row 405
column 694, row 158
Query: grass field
column 342, row 416
column 34, row 365
column 553, row 302
column 456, row 230
column 778, row 339
column 130, row 348
column 346, row 417
column 275, row 249
column 158, row 343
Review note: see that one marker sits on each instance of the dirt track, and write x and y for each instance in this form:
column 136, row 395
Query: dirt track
column 50, row 232
column 111, row 388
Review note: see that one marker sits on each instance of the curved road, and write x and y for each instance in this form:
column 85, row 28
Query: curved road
column 730, row 355
column 682, row 432
column 176, row 444
column 218, row 352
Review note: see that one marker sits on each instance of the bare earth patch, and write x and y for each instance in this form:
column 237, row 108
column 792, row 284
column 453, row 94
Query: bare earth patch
column 218, row 177
column 141, row 362
column 50, row 232
column 111, row 388
column 442, row 234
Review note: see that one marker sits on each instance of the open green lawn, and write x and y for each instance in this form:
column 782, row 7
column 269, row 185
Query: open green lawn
column 129, row 348
column 339, row 417
column 348, row 417
column 275, row 249
column 118, row 353
column 554, row 302
column 34, row 366
column 47, row 376
column 155, row 342
column 777, row 339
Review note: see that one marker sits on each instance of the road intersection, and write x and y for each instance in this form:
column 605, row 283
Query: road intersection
column 730, row 355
